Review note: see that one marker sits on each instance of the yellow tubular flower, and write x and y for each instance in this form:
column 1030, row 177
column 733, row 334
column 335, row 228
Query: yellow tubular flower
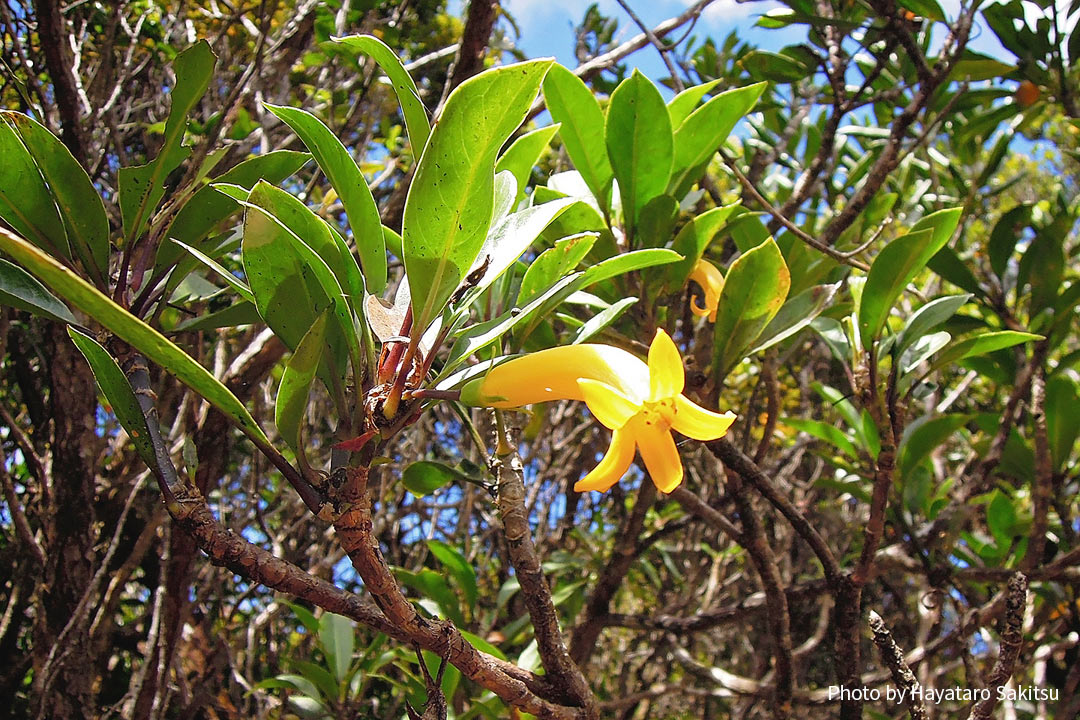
column 641, row 404
column 711, row 281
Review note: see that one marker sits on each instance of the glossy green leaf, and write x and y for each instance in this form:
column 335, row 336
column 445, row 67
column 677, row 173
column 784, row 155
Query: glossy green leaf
column 706, row 129
column 692, row 240
column 231, row 280
column 755, row 288
column 235, row 315
column 152, row 344
column 458, row 566
column 508, row 240
column 293, row 285
column 523, row 154
column 208, row 206
column 295, row 387
column 426, row 476
column 345, row 177
column 142, row 187
column 76, row 198
column 21, row 290
column 602, row 320
column 795, row 314
column 412, row 108
column 553, row 264
column 483, row 335
column 574, row 106
column 628, row 262
column 639, row 144
column 316, row 234
column 981, row 345
column 926, row 318
column 449, row 207
column 25, row 201
column 336, row 636
column 897, row 265
column 117, row 391
column 680, row 106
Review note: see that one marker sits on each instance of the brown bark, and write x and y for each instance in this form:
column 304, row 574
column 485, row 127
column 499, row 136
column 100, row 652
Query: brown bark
column 64, row 673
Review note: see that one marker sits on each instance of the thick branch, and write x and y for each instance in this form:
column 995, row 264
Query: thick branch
column 534, row 587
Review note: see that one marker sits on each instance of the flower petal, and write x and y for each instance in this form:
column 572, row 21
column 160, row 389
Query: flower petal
column 661, row 458
column 615, row 463
column 553, row 374
column 666, row 376
column 696, row 422
column 610, row 406
column 711, row 281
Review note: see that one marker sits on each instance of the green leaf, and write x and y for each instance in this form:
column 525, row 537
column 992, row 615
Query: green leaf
column 349, row 183
column 523, row 154
column 76, row 198
column 142, row 187
column 981, row 345
column 433, row 586
column 764, row 65
column 553, row 264
column 25, row 201
column 449, row 207
column 426, row 476
column 316, row 234
column 1062, row 420
column 483, row 645
column 117, row 391
column 823, row 431
column 483, row 335
column 208, row 206
column 897, row 265
column 706, row 129
column 754, row 291
column 639, row 144
column 292, row 397
column 692, row 240
column 628, row 262
column 336, row 636
column 1007, row 231
column 795, row 314
column 293, row 285
column 684, row 103
column 235, row 315
column 21, row 290
column 1001, row 518
column 574, row 106
column 603, row 319
column 931, row 10
column 511, row 237
column 152, row 344
column 458, row 566
column 231, row 280
column 412, row 108
column 923, row 436
column 319, row 676
column 926, row 318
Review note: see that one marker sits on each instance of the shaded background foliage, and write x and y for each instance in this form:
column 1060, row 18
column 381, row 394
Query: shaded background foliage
column 868, row 126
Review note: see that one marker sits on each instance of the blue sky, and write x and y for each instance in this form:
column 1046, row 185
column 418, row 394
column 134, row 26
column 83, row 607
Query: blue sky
column 547, row 26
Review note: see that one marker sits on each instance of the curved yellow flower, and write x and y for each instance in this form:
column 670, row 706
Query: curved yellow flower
column 711, row 281
column 640, row 403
